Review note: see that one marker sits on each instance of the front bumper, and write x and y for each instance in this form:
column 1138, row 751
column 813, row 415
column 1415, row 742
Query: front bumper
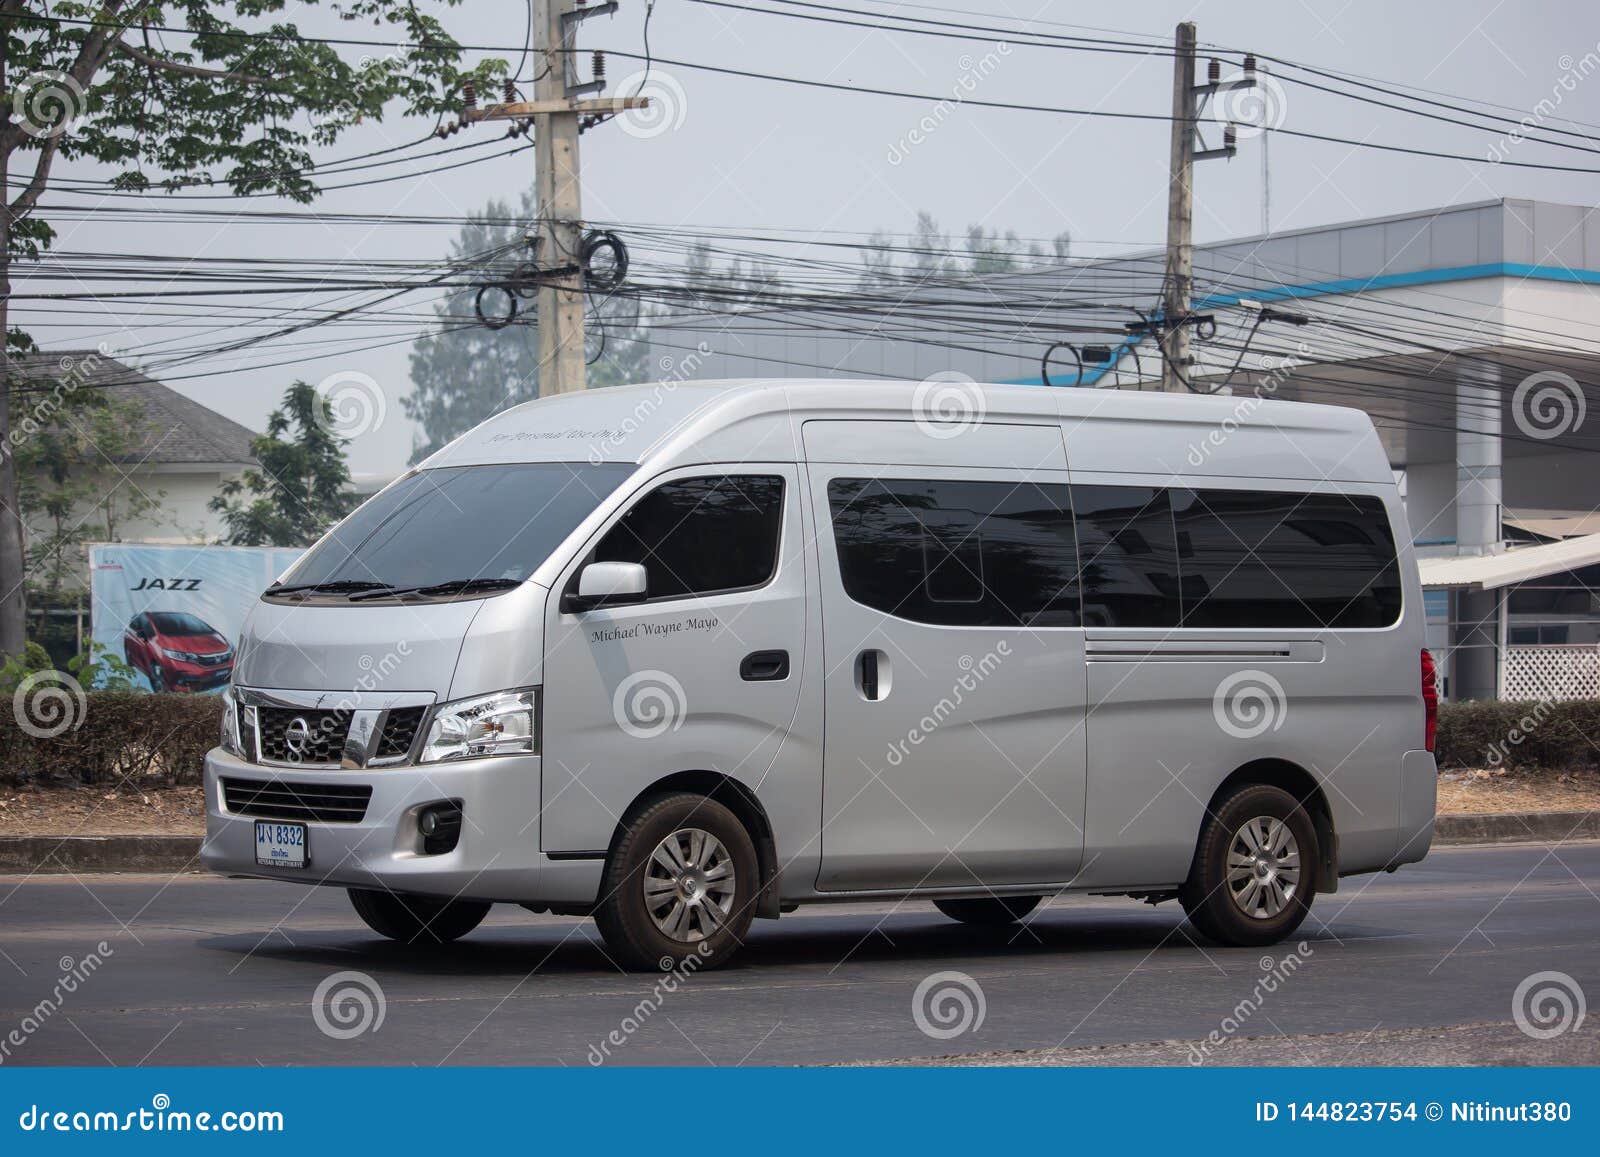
column 496, row 858
column 199, row 679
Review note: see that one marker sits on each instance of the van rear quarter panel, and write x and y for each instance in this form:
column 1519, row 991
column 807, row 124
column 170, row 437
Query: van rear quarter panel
column 1174, row 712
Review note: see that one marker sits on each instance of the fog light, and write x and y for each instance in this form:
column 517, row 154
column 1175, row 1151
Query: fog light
column 440, row 825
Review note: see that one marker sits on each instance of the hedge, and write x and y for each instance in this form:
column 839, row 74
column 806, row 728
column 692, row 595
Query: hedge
column 1520, row 734
column 107, row 737
column 140, row 739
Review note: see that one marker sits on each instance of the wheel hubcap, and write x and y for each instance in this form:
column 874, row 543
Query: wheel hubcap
column 689, row 885
column 1263, row 867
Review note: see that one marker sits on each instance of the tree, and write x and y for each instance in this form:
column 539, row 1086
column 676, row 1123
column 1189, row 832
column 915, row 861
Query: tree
column 235, row 102
column 303, row 485
column 463, row 372
column 929, row 255
column 62, row 484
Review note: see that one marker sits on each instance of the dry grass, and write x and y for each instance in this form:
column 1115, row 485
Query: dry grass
column 1482, row 792
column 98, row 811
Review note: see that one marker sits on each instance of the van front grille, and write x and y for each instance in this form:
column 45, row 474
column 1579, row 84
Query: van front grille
column 334, row 803
column 292, row 735
column 399, row 730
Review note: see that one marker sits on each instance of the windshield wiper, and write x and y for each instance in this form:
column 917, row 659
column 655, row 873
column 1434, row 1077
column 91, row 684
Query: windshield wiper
column 335, row 587
column 448, row 587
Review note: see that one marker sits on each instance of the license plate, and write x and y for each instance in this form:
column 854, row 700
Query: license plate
column 281, row 845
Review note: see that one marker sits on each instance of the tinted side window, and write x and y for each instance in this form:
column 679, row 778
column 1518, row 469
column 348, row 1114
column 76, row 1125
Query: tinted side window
column 1128, row 558
column 701, row 535
column 957, row 553
column 1254, row 558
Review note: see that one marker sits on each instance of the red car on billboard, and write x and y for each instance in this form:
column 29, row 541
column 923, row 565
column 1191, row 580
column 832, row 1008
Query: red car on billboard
column 177, row 651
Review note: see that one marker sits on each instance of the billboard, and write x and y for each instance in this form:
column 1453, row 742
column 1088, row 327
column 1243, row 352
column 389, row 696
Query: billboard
column 175, row 612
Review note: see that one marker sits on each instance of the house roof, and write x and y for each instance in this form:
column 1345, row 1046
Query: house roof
column 1491, row 571
column 174, row 429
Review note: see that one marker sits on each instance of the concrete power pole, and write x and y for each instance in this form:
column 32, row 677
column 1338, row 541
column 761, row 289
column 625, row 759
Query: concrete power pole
column 1180, row 216
column 1189, row 101
column 561, row 357
column 559, row 111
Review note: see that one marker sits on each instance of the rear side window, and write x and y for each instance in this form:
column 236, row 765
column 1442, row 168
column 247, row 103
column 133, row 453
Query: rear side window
column 1129, row 558
column 697, row 536
column 958, row 553
column 1251, row 558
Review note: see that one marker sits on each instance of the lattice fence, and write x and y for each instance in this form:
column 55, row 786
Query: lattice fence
column 1552, row 672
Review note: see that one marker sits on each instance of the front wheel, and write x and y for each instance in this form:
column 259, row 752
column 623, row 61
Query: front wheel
column 417, row 919
column 989, row 911
column 681, row 882
column 1254, row 868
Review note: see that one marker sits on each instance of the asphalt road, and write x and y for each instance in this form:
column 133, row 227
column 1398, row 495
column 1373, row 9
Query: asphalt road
column 209, row 971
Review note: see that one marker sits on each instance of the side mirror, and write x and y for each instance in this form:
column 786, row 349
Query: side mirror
column 607, row 584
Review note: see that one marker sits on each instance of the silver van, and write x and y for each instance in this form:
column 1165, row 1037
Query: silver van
column 679, row 655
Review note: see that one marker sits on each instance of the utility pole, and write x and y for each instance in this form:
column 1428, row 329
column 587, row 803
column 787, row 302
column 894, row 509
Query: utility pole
column 561, row 358
column 1180, row 215
column 560, row 111
column 1188, row 101
column 1266, row 175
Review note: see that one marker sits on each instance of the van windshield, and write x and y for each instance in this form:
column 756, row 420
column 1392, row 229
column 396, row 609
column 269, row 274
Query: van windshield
column 451, row 531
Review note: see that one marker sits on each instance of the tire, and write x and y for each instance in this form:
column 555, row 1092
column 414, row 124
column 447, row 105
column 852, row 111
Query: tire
column 989, row 911
column 157, row 682
column 660, row 903
column 417, row 919
column 1270, row 889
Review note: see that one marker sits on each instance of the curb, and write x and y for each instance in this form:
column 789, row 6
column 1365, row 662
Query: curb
column 59, row 854
column 1509, row 828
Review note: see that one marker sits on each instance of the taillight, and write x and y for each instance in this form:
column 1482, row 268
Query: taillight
column 1430, row 701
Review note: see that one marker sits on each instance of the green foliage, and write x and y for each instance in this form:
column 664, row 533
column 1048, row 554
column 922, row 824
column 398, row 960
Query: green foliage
column 66, row 446
column 103, row 669
column 98, row 667
column 18, row 667
column 260, row 101
column 303, row 485
column 463, row 374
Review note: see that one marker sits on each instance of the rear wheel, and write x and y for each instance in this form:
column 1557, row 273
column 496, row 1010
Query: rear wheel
column 417, row 919
column 682, row 881
column 1254, row 870
column 989, row 911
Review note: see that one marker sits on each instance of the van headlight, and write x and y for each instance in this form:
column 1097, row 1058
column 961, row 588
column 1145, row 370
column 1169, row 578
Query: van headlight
column 230, row 724
column 505, row 723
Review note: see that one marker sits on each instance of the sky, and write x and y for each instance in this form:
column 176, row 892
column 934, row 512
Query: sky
column 737, row 152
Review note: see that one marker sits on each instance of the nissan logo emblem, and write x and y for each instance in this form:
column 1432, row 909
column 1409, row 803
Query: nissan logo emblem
column 297, row 738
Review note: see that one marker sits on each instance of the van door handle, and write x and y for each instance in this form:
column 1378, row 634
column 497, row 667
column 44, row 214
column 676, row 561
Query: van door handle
column 867, row 675
column 759, row 666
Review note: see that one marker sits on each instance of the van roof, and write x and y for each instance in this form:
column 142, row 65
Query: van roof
column 760, row 420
